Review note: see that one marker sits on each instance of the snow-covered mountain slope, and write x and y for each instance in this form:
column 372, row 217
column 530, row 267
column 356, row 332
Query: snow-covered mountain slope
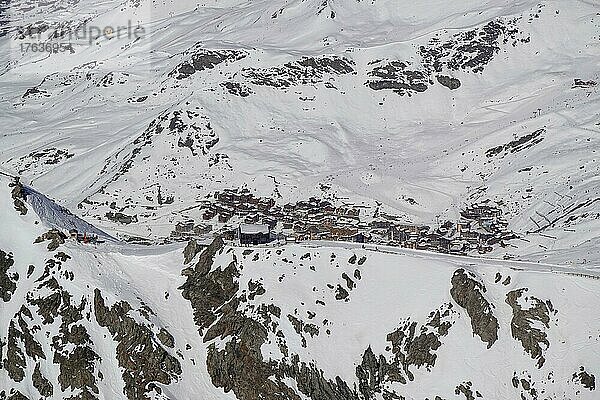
column 460, row 127
column 418, row 110
column 84, row 322
column 302, row 321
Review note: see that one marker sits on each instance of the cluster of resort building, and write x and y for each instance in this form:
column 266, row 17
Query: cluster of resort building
column 253, row 220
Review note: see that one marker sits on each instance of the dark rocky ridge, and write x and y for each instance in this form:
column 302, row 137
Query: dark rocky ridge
column 306, row 71
column 396, row 76
column 237, row 88
column 50, row 313
column 8, row 280
column 239, row 366
column 517, row 145
column 202, row 59
column 468, row 293
column 73, row 349
column 208, row 290
column 524, row 321
column 18, row 196
column 468, row 51
column 412, row 346
column 472, row 50
column 43, row 385
column 47, row 156
column 144, row 360
column 586, row 379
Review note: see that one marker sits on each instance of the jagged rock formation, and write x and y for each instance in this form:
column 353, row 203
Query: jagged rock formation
column 18, row 196
column 201, row 59
column 7, row 280
column 21, row 344
column 467, row 292
column 466, row 389
column 308, row 70
column 517, row 145
column 121, row 218
column 411, row 347
column 54, row 236
column 144, row 360
column 209, row 290
column 469, row 51
column 472, row 50
column 190, row 251
column 528, row 323
column 36, row 160
column 584, row 378
column 13, row 395
column 43, row 385
column 239, row 366
column 448, row 81
column 396, row 76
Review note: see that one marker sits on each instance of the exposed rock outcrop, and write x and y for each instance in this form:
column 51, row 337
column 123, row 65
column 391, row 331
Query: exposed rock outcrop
column 584, row 378
column 7, row 279
column 530, row 315
column 397, row 76
column 238, row 365
column 410, row 347
column 306, row 71
column 448, row 81
column 468, row 292
column 43, row 385
column 190, row 251
column 13, row 395
column 372, row 373
column 54, row 236
column 201, row 59
column 18, row 196
column 144, row 360
column 517, row 145
column 21, row 344
column 208, row 290
column 416, row 347
column 466, row 389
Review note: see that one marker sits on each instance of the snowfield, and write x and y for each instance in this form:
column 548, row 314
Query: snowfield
column 415, row 110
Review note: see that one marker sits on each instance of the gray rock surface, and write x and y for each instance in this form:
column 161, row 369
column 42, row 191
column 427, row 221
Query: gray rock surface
column 525, row 322
column 468, row 292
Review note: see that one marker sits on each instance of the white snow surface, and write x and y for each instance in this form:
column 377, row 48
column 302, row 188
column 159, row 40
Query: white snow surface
column 83, row 137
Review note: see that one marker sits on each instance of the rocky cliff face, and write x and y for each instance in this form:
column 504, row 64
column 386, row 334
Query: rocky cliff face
column 50, row 344
column 285, row 322
column 240, row 326
column 468, row 292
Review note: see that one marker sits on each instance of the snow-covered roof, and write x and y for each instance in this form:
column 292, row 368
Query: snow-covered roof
column 254, row 228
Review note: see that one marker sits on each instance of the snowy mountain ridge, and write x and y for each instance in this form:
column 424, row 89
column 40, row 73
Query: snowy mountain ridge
column 318, row 320
column 457, row 140
column 447, row 108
